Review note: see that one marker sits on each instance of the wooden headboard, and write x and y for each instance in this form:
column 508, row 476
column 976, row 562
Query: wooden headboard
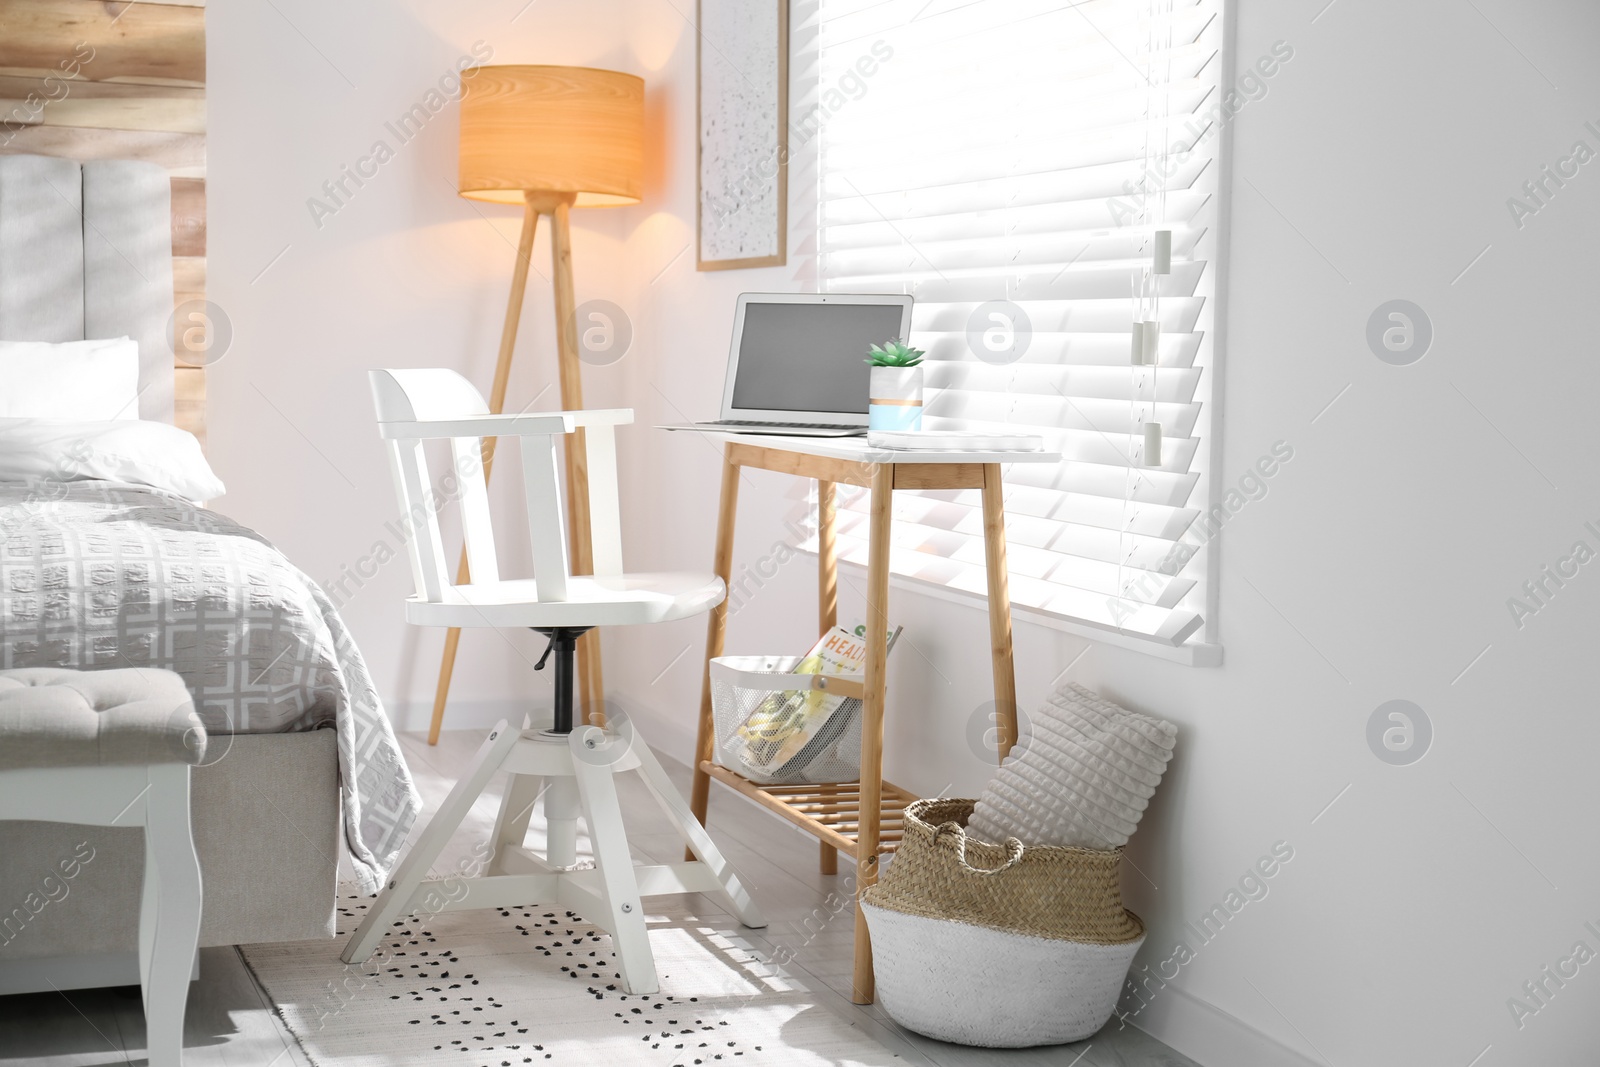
column 88, row 80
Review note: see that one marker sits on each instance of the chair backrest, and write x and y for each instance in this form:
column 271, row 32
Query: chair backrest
column 415, row 406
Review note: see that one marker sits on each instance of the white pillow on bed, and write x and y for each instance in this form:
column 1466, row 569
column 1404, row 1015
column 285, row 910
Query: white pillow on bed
column 89, row 380
column 127, row 450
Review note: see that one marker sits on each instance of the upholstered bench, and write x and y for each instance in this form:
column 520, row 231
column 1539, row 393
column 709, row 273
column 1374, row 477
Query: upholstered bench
column 114, row 748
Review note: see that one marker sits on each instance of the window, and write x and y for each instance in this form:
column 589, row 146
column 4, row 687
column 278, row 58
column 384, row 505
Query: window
column 1013, row 164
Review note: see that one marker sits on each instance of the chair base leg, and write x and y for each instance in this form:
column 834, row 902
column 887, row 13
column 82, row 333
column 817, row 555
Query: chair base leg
column 394, row 902
column 511, row 825
column 729, row 891
column 619, row 886
column 578, row 774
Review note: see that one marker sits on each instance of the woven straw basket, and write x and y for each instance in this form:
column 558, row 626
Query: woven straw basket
column 1003, row 946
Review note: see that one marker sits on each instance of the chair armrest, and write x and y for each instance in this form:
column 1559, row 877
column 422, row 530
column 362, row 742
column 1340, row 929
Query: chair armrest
column 521, row 424
column 527, row 424
column 600, row 416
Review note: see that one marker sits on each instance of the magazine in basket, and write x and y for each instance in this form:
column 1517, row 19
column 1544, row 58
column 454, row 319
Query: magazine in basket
column 789, row 728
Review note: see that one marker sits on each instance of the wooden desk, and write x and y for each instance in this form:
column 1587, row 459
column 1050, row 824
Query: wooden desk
column 866, row 818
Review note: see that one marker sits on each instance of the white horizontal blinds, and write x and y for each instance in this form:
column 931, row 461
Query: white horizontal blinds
column 1012, row 151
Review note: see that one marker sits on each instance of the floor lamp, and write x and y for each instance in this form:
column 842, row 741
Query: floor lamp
column 550, row 139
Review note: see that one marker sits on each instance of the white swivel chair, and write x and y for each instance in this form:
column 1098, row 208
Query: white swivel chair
column 572, row 768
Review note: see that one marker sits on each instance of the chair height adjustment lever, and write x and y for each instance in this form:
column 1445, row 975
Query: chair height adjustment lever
column 551, row 647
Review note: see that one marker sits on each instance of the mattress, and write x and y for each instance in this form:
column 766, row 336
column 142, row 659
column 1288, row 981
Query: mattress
column 97, row 575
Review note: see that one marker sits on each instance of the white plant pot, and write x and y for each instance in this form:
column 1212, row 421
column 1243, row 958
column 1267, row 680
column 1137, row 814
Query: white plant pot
column 895, row 398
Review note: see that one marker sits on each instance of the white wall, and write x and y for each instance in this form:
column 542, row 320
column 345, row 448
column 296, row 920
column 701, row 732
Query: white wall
column 1378, row 567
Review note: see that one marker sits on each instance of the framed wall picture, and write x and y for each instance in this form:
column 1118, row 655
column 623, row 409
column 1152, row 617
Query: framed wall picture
column 742, row 63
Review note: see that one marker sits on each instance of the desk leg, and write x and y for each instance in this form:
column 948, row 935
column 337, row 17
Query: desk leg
column 716, row 634
column 827, row 616
column 994, row 558
column 862, row 987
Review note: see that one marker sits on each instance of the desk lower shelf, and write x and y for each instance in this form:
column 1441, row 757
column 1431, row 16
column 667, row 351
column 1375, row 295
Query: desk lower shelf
column 830, row 813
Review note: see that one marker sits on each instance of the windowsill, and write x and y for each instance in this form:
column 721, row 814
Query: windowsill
column 1190, row 654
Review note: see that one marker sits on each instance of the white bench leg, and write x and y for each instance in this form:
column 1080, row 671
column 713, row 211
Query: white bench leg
column 395, row 901
column 169, row 927
column 619, row 888
column 733, row 895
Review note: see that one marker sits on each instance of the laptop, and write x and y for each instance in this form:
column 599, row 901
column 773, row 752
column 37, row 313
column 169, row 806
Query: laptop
column 798, row 363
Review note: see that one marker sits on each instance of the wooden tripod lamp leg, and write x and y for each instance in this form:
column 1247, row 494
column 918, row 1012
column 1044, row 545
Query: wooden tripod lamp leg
column 497, row 400
column 591, row 687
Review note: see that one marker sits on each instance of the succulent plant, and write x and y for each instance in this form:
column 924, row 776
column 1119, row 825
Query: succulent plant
column 894, row 354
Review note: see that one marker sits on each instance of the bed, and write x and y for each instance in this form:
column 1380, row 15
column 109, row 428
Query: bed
column 98, row 572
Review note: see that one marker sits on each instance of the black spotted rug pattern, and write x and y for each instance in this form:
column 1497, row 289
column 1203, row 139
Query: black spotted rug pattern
column 505, row 987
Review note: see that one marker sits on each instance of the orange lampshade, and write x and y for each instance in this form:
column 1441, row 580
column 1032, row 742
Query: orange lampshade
column 552, row 130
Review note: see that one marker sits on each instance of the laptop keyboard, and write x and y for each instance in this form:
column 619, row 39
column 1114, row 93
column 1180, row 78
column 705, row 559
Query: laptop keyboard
column 796, row 425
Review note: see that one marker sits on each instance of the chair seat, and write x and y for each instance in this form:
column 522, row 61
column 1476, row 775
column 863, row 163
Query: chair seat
column 622, row 600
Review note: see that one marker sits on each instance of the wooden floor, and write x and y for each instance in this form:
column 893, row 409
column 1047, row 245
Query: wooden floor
column 230, row 1023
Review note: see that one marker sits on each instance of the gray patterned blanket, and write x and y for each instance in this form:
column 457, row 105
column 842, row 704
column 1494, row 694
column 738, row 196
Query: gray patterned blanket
column 95, row 575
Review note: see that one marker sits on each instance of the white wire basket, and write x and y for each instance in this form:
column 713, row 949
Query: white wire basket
column 778, row 728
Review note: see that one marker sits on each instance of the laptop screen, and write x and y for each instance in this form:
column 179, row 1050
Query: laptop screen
column 810, row 357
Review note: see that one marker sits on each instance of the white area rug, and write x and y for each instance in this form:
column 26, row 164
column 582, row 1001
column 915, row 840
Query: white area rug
column 538, row 985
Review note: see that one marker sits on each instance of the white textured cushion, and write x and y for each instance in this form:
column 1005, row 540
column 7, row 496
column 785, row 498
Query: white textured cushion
column 89, row 381
column 134, row 452
column 1082, row 776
